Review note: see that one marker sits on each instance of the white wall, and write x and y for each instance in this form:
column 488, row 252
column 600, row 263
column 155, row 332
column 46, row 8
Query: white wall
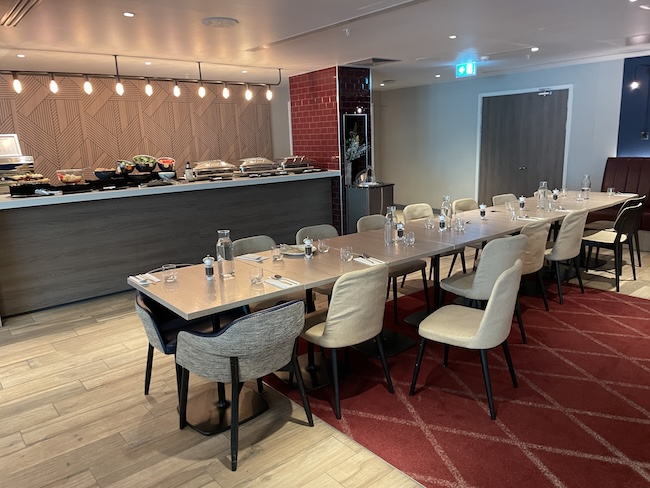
column 280, row 122
column 426, row 138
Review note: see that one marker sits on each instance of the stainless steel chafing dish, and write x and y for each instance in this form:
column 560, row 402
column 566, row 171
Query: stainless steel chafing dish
column 257, row 165
column 215, row 168
column 295, row 162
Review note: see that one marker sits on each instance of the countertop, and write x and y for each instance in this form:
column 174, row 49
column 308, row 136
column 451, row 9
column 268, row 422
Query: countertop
column 7, row 202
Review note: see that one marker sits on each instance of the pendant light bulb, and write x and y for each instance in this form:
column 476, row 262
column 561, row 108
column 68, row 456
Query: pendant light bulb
column 54, row 88
column 201, row 88
column 148, row 89
column 269, row 93
column 202, row 91
column 88, row 87
column 177, row 90
column 634, row 85
column 119, row 88
column 18, row 87
column 225, row 92
column 249, row 94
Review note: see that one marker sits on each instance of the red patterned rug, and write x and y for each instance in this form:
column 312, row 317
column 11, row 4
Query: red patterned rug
column 580, row 417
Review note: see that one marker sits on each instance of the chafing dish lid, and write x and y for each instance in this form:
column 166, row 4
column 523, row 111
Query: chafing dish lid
column 257, row 164
column 214, row 165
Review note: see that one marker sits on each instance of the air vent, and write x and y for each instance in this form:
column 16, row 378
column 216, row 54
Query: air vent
column 16, row 10
column 374, row 61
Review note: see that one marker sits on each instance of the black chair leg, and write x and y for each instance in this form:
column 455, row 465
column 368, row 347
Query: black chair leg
column 453, row 262
column 638, row 249
column 384, row 363
column 540, row 284
column 559, row 281
column 182, row 404
column 301, row 388
column 576, row 265
column 394, row 280
column 511, row 368
column 476, row 258
column 147, row 371
column 445, row 357
column 630, row 246
column 260, row 385
column 234, row 413
column 488, row 384
column 618, row 264
column 335, row 378
column 520, row 320
column 589, row 257
column 425, row 287
column 418, row 363
column 462, row 261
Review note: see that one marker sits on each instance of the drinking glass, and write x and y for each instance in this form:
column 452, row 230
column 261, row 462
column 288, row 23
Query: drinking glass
column 430, row 223
column 323, row 245
column 611, row 191
column 255, row 275
column 346, row 253
column 276, row 253
column 580, row 197
column 169, row 272
column 409, row 238
column 459, row 222
column 564, row 192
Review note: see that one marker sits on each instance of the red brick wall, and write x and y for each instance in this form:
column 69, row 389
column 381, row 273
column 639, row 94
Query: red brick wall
column 316, row 114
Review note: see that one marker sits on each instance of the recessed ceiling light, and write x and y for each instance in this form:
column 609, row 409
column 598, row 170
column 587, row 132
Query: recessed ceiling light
column 244, row 71
column 534, row 49
column 128, row 14
column 437, row 76
column 148, row 63
column 382, row 84
column 220, row 21
column 632, row 1
column 20, row 55
column 452, row 37
column 645, row 7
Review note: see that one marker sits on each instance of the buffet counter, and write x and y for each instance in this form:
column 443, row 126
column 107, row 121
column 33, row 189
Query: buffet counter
column 63, row 248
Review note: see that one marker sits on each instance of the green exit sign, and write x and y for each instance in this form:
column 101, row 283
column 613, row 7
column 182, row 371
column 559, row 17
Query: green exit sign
column 464, row 70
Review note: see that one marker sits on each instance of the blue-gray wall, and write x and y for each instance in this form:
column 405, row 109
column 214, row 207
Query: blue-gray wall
column 426, row 138
column 634, row 109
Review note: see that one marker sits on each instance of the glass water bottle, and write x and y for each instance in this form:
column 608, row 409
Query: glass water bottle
column 586, row 187
column 225, row 255
column 542, row 195
column 445, row 208
column 390, row 227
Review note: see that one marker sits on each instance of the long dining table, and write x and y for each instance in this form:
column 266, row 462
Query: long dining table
column 191, row 295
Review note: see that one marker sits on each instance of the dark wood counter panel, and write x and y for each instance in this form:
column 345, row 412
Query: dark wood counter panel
column 56, row 254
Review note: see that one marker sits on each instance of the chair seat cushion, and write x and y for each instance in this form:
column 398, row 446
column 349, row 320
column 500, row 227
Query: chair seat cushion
column 169, row 330
column 601, row 237
column 454, row 325
column 461, row 285
column 406, row 268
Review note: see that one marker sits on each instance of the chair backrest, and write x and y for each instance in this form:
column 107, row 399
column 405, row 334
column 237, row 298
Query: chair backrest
column 152, row 316
column 503, row 198
column 356, row 309
column 629, row 219
column 630, row 202
column 537, row 233
column 321, row 231
column 497, row 318
column 463, row 205
column 371, row 222
column 416, row 211
column 497, row 256
column 569, row 239
column 252, row 244
column 262, row 341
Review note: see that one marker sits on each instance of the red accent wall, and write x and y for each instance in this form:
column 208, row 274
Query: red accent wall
column 318, row 101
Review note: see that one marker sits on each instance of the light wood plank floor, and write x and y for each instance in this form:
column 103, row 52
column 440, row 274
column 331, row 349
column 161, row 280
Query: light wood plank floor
column 74, row 413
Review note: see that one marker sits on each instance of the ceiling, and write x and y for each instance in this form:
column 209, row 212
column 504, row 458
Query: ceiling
column 299, row 36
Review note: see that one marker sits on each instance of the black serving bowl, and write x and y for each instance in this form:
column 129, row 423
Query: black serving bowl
column 105, row 174
column 140, row 177
column 146, row 166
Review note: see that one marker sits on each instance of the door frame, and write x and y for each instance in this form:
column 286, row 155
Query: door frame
column 567, row 129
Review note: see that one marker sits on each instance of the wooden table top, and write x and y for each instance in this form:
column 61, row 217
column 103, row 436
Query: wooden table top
column 192, row 295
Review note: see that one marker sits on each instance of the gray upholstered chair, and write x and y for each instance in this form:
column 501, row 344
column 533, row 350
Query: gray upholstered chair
column 567, row 246
column 609, row 224
column 626, row 224
column 476, row 287
column 421, row 211
column 161, row 326
column 355, row 315
column 460, row 326
column 503, row 198
column 250, row 347
column 533, row 260
column 377, row 221
column 252, row 244
column 315, row 232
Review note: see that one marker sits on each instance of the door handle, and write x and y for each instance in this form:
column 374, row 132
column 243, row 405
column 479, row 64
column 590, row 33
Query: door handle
column 522, row 168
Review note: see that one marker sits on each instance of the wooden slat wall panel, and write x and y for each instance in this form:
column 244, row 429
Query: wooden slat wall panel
column 73, row 130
